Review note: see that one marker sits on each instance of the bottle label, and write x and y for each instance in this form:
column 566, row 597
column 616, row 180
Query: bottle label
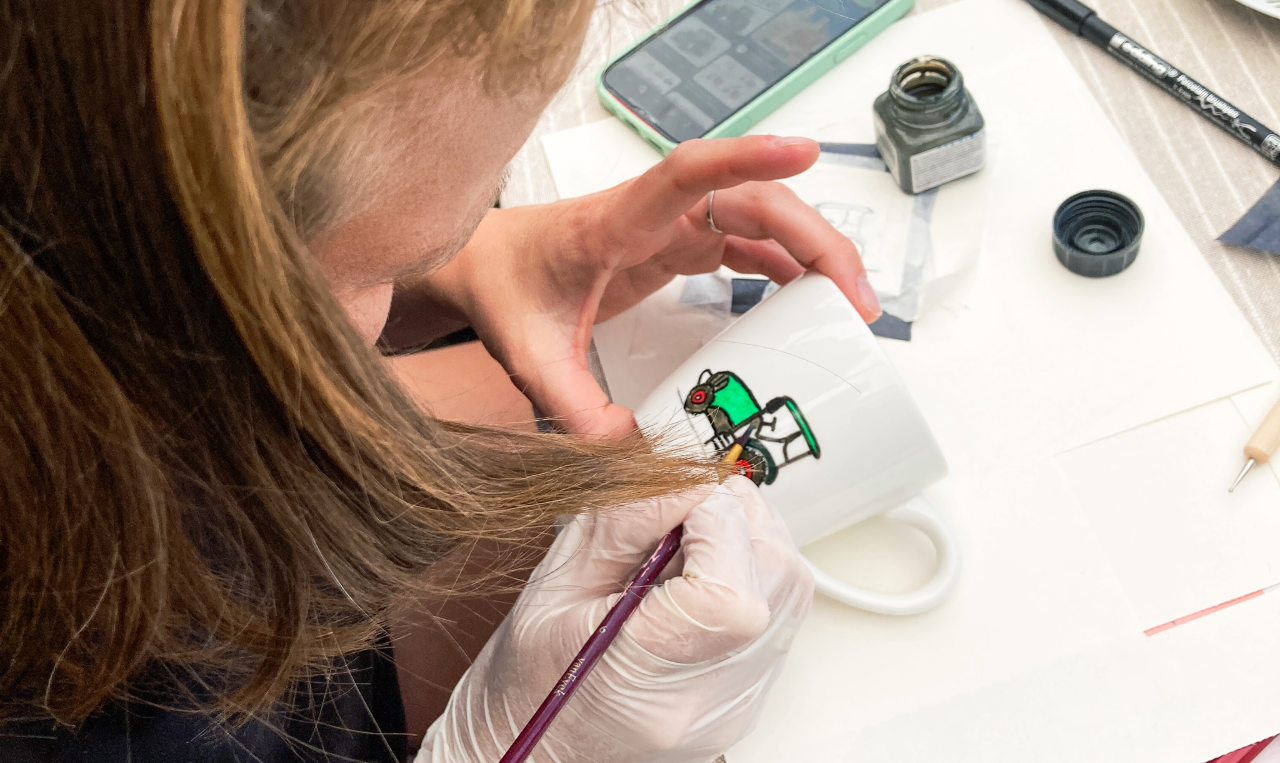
column 932, row 168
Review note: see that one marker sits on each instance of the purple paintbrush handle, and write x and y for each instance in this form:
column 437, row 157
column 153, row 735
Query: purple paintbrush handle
column 594, row 649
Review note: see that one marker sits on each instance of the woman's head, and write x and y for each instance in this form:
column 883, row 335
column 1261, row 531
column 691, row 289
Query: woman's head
column 207, row 473
column 384, row 127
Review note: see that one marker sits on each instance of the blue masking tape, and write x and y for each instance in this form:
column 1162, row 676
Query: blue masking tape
column 892, row 327
column 864, row 155
column 851, row 149
column 747, row 293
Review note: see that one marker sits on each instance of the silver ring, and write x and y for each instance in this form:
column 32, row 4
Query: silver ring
column 711, row 219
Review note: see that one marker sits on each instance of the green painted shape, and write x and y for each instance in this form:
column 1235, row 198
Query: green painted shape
column 736, row 401
column 804, row 429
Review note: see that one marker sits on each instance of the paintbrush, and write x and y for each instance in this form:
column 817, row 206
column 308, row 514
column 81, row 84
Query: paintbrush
column 604, row 635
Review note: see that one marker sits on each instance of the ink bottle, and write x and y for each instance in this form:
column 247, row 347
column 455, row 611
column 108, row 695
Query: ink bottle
column 928, row 127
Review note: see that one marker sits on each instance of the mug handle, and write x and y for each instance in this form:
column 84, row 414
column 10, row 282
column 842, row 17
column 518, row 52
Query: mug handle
column 921, row 515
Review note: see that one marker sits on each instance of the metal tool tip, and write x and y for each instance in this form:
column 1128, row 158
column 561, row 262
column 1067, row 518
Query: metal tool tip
column 1247, row 466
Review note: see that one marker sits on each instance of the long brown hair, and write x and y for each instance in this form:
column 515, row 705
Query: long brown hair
column 202, row 468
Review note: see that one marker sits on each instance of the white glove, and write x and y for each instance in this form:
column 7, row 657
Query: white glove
column 686, row 677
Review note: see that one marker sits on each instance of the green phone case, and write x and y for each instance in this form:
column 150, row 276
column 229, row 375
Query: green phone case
column 764, row 104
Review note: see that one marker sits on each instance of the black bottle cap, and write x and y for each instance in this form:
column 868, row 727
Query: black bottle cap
column 1069, row 13
column 1097, row 233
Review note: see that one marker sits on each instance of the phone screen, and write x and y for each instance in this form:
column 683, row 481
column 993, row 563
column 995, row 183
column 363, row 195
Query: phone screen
column 720, row 54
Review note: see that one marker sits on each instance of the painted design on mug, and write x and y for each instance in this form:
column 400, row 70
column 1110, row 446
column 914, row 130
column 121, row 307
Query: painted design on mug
column 730, row 407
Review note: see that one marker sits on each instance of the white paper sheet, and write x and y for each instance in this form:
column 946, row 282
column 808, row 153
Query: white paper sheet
column 1213, row 683
column 1118, row 725
column 1157, row 496
column 1130, row 700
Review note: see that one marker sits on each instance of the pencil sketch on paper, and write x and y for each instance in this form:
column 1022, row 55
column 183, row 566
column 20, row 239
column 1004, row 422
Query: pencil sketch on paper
column 854, row 222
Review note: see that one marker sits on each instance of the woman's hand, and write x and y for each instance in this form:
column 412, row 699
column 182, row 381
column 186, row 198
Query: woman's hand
column 686, row 677
column 533, row 280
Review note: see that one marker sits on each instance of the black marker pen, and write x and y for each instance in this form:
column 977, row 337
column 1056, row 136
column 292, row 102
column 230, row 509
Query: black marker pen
column 1083, row 21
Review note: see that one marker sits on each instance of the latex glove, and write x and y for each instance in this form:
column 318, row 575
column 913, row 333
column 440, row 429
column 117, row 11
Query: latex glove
column 533, row 280
column 686, row 677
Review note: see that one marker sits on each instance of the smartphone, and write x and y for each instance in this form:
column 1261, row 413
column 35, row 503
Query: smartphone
column 719, row 66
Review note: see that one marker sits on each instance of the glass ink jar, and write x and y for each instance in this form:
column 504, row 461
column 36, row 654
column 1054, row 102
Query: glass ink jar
column 928, row 127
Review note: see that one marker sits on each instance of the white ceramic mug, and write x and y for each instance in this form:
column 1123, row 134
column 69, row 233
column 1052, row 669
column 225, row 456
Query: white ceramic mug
column 834, row 438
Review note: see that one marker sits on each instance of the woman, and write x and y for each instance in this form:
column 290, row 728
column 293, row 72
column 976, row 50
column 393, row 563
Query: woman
column 216, row 502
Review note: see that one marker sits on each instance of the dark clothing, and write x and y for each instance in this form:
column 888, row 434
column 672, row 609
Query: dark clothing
column 354, row 715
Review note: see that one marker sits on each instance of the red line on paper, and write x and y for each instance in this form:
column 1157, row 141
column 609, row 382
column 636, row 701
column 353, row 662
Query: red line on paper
column 1215, row 608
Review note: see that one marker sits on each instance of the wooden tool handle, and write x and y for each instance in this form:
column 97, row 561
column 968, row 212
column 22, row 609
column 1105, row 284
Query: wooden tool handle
column 1265, row 441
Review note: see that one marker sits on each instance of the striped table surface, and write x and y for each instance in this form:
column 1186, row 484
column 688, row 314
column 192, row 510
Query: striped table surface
column 1209, row 178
